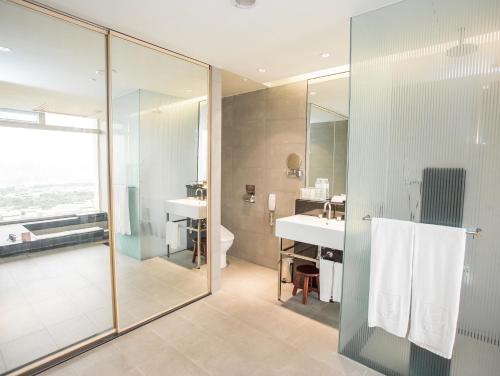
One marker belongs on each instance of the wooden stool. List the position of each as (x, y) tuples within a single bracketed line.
[(203, 250), (308, 273)]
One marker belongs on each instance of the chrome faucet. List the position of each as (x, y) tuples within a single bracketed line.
[(329, 215), (201, 193)]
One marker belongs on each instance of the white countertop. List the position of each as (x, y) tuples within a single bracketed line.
[(312, 230)]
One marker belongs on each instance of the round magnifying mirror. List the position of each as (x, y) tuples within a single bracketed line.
[(293, 161)]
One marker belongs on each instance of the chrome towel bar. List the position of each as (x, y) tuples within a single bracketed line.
[(470, 231)]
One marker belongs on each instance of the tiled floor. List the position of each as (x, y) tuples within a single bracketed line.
[(57, 298), (240, 330)]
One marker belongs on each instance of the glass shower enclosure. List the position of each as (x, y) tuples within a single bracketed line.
[(425, 94)]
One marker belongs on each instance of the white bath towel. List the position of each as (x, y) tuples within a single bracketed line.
[(121, 208), (325, 280), (172, 234), (337, 282), (390, 275), (438, 264)]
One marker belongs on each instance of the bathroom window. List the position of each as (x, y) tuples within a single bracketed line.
[(16, 115), (49, 173)]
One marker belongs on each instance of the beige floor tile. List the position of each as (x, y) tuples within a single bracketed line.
[(169, 359), (140, 344), (104, 360), (27, 348), (16, 323), (55, 310), (241, 330), (71, 331)]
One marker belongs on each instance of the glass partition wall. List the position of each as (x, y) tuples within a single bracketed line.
[(66, 278), (425, 94)]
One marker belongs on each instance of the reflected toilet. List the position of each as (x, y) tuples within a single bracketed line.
[(226, 241)]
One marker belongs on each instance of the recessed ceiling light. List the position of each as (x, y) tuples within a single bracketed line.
[(92, 79), (261, 70), (312, 93), (5, 49), (243, 4), (325, 54)]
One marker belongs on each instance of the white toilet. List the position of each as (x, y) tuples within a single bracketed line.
[(226, 241)]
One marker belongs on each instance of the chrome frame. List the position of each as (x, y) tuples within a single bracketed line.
[(64, 354)]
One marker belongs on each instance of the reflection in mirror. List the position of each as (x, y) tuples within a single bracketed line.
[(55, 281), (160, 156), (328, 102)]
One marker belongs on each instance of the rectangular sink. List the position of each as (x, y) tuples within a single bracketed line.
[(187, 207), (312, 230)]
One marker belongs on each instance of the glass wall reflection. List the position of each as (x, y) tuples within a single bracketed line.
[(55, 283), (159, 179)]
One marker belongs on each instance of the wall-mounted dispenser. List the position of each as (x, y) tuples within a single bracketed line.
[(271, 204), (250, 195), (293, 163)]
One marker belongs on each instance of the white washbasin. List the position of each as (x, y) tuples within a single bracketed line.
[(187, 207), (312, 230)]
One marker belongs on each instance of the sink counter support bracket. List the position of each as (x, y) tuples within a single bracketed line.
[(198, 238), (287, 253)]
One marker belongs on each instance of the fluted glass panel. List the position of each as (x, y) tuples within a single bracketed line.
[(424, 145)]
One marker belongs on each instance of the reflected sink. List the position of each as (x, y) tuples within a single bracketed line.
[(187, 207), (312, 230)]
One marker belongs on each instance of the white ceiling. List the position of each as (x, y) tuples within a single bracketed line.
[(56, 66), (286, 37)]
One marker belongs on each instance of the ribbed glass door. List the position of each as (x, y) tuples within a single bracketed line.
[(425, 97)]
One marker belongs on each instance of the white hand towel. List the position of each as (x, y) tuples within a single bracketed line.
[(172, 234), (438, 264), (337, 282), (325, 280), (390, 275)]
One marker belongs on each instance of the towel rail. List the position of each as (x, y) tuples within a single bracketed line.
[(470, 231)]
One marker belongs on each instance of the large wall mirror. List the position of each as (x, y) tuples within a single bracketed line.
[(57, 260), (328, 111), (55, 280), (160, 154)]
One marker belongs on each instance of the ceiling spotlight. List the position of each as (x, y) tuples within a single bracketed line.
[(325, 54), (5, 49), (92, 79), (261, 70), (243, 4)]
